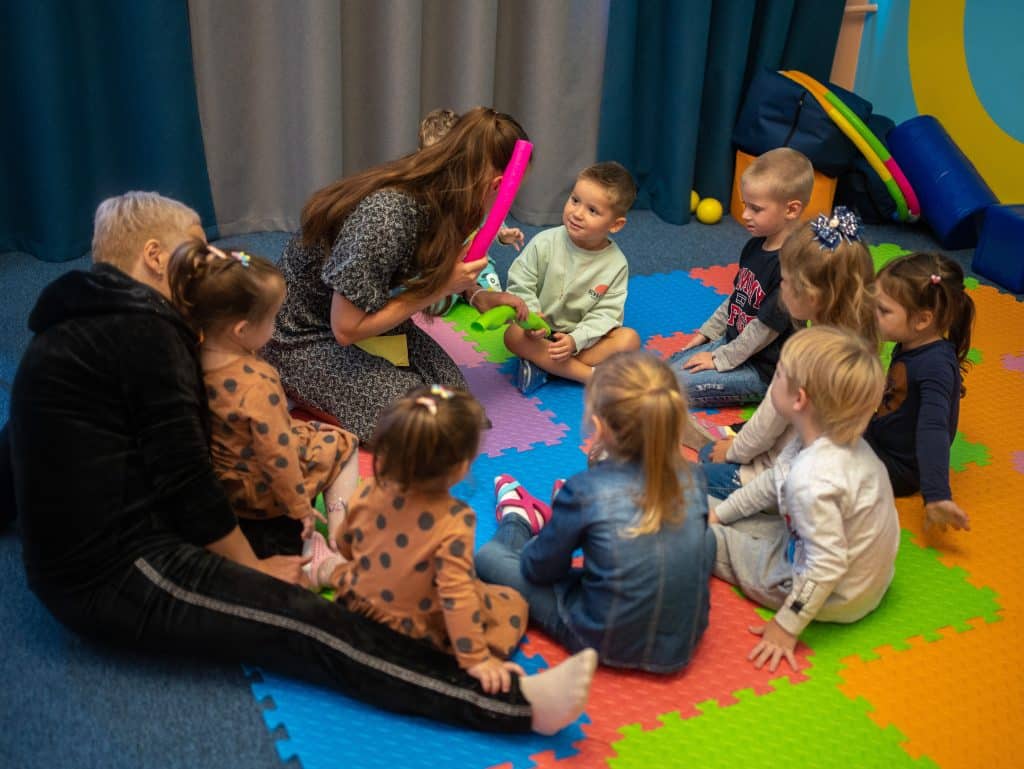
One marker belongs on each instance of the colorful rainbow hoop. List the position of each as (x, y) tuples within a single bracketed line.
[(907, 206)]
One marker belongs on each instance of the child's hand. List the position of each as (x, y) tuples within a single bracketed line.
[(700, 361), (713, 516), (309, 522), (511, 236), (945, 513), (720, 449), (697, 340), (775, 644), (563, 348), (495, 675)]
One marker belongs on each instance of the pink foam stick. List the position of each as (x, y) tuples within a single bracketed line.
[(503, 202)]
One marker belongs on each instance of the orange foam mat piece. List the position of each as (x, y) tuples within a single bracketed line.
[(959, 700)]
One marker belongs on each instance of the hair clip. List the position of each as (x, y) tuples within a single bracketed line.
[(441, 392), (241, 257), (935, 279), (428, 403), (830, 231)]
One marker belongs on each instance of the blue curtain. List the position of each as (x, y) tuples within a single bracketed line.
[(676, 72), (99, 98)]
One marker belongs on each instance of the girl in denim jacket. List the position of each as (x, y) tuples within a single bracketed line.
[(639, 514)]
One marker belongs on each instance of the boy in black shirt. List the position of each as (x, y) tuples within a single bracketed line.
[(732, 357)]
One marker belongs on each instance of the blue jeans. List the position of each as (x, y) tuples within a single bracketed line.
[(498, 562), (717, 388), (723, 477)]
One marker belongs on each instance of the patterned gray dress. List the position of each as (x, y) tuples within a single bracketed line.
[(372, 255)]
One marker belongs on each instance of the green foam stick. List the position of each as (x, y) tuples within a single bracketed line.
[(502, 315)]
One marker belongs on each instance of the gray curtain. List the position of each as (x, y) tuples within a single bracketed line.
[(296, 93)]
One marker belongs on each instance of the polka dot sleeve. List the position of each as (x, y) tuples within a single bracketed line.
[(276, 446), (459, 599)]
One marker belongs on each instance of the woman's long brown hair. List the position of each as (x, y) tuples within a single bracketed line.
[(449, 179)]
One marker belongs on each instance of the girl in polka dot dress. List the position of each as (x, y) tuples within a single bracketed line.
[(409, 543), (271, 466)]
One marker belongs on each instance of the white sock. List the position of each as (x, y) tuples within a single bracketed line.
[(559, 695)]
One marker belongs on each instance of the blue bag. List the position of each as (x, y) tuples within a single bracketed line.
[(779, 112)]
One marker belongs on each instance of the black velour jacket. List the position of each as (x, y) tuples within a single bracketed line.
[(108, 430)]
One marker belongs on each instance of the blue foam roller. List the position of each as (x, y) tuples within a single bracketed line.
[(998, 256), (951, 191)]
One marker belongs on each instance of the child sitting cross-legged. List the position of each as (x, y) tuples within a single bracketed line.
[(829, 551), (406, 556), (639, 515), (576, 277)]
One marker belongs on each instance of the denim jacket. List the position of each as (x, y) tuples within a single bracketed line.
[(641, 602)]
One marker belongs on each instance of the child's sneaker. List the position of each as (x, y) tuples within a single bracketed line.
[(530, 377)]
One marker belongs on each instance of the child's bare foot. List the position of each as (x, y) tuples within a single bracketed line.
[(559, 695)]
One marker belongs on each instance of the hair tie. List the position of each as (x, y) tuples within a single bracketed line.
[(441, 392), (935, 279), (830, 231), (428, 404)]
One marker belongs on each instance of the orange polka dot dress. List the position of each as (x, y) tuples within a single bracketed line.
[(269, 464), (410, 566)]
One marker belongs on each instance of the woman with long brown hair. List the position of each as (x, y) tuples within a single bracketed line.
[(373, 250)]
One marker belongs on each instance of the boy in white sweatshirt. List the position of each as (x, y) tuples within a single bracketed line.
[(575, 276), (829, 552)]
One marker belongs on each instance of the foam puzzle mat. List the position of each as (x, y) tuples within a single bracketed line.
[(933, 678)]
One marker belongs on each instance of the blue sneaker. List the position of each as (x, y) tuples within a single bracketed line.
[(530, 377)]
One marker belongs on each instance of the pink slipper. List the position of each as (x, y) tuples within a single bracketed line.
[(556, 487), (536, 511)]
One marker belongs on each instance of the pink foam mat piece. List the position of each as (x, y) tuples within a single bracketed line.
[(1013, 362), (461, 351), (1018, 461), (517, 422)]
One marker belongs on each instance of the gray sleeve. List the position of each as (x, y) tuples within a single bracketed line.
[(714, 327), (755, 497), (754, 337), (759, 435)]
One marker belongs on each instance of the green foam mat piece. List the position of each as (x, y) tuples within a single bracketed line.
[(974, 355), (809, 724), (963, 451), (924, 597), (971, 283), (490, 343), (883, 253)]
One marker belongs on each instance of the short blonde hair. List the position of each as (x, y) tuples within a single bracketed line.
[(783, 173), (841, 375), (435, 126), (124, 223)]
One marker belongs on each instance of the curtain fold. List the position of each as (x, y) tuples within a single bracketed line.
[(675, 76), (99, 99)]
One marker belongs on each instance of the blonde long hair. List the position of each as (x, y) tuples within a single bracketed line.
[(449, 179), (637, 398), (840, 281)]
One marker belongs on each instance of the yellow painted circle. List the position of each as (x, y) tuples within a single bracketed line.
[(942, 87)]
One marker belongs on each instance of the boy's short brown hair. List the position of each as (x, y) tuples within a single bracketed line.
[(436, 125), (783, 173), (841, 375), (616, 180)]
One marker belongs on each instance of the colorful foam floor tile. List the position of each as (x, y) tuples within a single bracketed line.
[(934, 677)]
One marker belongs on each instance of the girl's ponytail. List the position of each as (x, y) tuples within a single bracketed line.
[(637, 399)]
